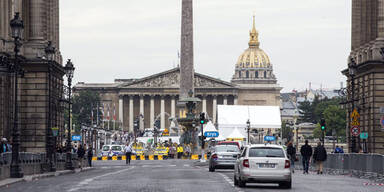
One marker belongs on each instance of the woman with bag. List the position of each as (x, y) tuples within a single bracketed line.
[(291, 151)]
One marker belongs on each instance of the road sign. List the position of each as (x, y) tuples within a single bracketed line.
[(55, 131), (355, 114), (269, 138), (211, 134), (355, 130), (76, 137), (364, 135)]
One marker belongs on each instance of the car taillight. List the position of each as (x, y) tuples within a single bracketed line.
[(246, 163), (214, 156), (287, 164)]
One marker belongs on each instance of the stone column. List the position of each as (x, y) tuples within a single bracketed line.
[(130, 113), (121, 115), (380, 18), (235, 99), (36, 20), (142, 112), (204, 109), (152, 112), (214, 108), (225, 101), (173, 106), (162, 113)]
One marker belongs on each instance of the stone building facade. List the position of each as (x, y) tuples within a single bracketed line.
[(156, 96), (367, 52), (41, 87)]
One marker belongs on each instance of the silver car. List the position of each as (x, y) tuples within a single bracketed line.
[(223, 156), (263, 164)]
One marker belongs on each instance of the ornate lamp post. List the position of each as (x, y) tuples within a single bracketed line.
[(50, 54), (17, 28), (69, 69), (248, 129)]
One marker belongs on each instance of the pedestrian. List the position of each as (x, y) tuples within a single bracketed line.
[(80, 155), (319, 156), (337, 149), (291, 151), (306, 153), (3, 146), (128, 153), (90, 155)]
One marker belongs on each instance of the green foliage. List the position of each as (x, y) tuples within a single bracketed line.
[(306, 111), (335, 119), (286, 131), (83, 104), (317, 132)]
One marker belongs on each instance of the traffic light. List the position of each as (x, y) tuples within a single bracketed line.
[(157, 124), (136, 125), (322, 124), (202, 118)]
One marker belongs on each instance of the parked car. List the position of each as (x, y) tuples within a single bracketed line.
[(229, 143), (263, 163), (112, 150), (223, 156)]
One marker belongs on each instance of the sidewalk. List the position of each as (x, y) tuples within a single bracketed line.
[(10, 181)]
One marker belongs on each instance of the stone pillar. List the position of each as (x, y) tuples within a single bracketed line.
[(36, 20), (152, 112), (380, 19), (121, 115), (173, 106), (186, 59), (225, 101), (214, 108), (142, 112), (130, 113), (162, 113), (235, 99), (204, 109)]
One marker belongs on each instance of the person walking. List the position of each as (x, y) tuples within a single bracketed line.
[(128, 153), (90, 155), (80, 155), (291, 151), (319, 156), (306, 153)]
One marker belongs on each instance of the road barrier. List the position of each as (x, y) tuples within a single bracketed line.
[(133, 157)]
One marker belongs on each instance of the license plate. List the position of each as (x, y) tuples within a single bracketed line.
[(266, 165)]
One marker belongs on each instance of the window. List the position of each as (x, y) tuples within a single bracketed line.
[(244, 152), (226, 148), (247, 74), (239, 74), (256, 74), (106, 148), (266, 152), (265, 74)]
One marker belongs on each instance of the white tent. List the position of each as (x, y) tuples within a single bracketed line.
[(209, 127), (236, 135), (230, 117)]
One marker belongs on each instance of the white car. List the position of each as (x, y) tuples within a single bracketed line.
[(263, 163)]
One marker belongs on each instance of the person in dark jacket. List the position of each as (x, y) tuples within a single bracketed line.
[(80, 155), (291, 151), (319, 156), (90, 155), (306, 153)]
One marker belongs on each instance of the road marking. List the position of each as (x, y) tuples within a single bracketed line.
[(186, 165), (87, 181)]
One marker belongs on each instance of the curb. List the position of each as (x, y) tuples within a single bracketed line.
[(27, 178)]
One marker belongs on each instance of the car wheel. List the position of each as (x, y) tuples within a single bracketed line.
[(286, 185), (241, 182), (235, 181), (211, 169)]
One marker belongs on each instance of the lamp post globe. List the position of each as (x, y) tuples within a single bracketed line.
[(17, 26), (248, 129), (69, 69)]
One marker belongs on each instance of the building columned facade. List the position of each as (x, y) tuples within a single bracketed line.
[(156, 96), (365, 94), (41, 87)]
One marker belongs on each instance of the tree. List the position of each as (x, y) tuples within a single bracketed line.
[(335, 119), (286, 131), (83, 104), (306, 111)]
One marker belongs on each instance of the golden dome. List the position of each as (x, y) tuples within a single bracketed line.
[(253, 57)]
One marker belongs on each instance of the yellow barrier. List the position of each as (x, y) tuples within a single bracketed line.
[(205, 156), (133, 157), (195, 157), (94, 158), (104, 158), (124, 157), (160, 157), (142, 157), (151, 157), (114, 157)]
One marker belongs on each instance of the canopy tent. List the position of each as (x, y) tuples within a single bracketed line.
[(230, 117), (209, 127), (236, 136)]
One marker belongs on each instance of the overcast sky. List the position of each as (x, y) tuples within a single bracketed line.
[(306, 40)]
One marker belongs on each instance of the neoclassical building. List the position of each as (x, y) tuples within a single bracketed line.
[(156, 96)]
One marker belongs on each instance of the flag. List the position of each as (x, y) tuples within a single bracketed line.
[(114, 112), (108, 112), (102, 112)]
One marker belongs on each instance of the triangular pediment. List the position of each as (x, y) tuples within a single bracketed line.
[(171, 79)]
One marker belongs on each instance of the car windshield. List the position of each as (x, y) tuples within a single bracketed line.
[(116, 148), (227, 148), (106, 148), (266, 152)]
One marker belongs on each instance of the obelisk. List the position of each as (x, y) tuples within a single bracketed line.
[(186, 58)]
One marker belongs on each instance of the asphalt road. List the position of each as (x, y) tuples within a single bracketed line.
[(176, 175)]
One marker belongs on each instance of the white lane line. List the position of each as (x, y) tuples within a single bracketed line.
[(186, 165), (229, 181), (87, 181)]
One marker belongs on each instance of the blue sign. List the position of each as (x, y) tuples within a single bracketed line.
[(211, 134), (269, 138), (76, 137)]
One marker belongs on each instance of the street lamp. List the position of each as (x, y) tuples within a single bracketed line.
[(50, 54), (17, 28), (248, 129), (352, 72), (69, 69)]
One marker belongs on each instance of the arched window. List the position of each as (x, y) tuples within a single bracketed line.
[(256, 74), (265, 74), (247, 74), (239, 74)]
